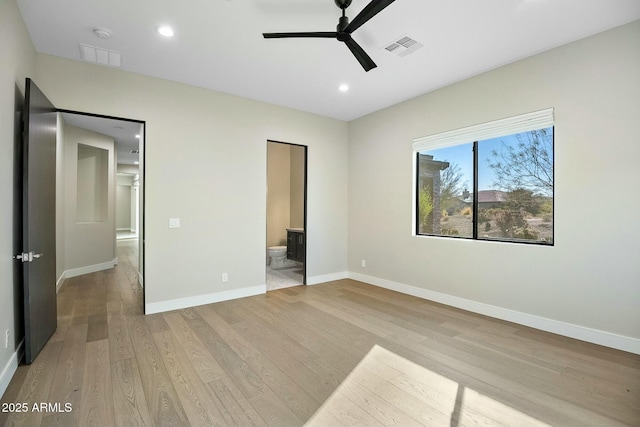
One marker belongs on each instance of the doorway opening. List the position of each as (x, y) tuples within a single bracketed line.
[(66, 163), (286, 252), (119, 233)]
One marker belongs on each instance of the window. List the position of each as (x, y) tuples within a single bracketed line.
[(492, 181)]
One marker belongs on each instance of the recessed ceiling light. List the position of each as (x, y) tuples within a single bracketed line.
[(165, 30), (136, 163), (138, 136), (343, 87)]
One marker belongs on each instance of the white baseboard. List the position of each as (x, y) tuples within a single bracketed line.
[(10, 368), (127, 242), (84, 270), (60, 280), (314, 280), (176, 304), (90, 269), (582, 333)]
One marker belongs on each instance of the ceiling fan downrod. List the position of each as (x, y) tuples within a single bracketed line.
[(343, 22)]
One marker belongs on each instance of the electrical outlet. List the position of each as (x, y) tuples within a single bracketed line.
[(363, 263), (225, 277), (6, 339)]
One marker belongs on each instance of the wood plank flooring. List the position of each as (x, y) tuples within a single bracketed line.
[(341, 353)]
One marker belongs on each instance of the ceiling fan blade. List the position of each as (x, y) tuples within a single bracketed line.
[(323, 35), (362, 57), (370, 10)]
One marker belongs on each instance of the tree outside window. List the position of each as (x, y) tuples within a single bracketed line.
[(512, 199)]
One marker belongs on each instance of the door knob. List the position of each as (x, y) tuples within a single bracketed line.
[(27, 256), (24, 257)]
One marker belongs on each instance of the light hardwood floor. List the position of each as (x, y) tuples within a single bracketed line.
[(341, 353)]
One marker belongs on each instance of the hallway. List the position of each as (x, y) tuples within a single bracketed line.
[(91, 331)]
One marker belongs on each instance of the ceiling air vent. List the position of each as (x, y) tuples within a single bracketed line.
[(403, 46), (100, 56)]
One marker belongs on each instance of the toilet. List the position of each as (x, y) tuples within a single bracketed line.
[(277, 256)]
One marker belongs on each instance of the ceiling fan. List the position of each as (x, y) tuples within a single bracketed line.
[(344, 29)]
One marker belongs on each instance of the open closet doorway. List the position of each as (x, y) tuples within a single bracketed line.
[(286, 251), (102, 203)]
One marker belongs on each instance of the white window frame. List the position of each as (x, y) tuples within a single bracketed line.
[(516, 124)]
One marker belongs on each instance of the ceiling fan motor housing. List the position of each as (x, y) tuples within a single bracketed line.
[(342, 25)]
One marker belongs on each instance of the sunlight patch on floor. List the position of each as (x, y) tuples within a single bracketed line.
[(385, 389)]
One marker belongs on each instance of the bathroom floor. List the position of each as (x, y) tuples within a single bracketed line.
[(284, 277)]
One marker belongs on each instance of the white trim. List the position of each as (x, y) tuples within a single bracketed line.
[(314, 280), (90, 269), (10, 368), (60, 281), (176, 304), (414, 193), (582, 333), (509, 126), (140, 280)]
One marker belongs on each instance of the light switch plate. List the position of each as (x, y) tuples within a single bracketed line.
[(174, 222)]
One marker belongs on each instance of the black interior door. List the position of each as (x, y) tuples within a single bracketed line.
[(39, 220)]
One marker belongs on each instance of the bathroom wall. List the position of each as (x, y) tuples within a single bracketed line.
[(296, 206), (278, 193), (285, 193)]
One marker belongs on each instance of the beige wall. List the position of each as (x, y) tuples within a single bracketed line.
[(125, 202), (88, 243), (17, 56), (123, 207), (278, 193), (214, 146), (285, 193), (591, 277), (297, 187)]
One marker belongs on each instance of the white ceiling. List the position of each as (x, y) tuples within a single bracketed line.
[(219, 44), (123, 132)]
